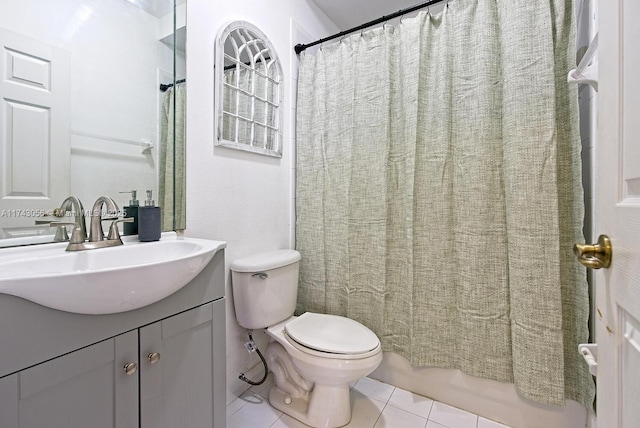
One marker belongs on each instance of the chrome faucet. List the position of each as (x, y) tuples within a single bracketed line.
[(78, 241), (96, 233), (74, 203)]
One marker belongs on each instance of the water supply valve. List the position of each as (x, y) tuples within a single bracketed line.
[(251, 346)]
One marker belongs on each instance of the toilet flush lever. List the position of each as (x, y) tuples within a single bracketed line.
[(261, 275)]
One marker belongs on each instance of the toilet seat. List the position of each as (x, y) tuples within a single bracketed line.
[(331, 336)]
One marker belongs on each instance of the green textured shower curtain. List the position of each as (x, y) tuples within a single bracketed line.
[(171, 192), (439, 192)]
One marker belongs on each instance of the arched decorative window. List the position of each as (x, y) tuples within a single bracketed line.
[(249, 97)]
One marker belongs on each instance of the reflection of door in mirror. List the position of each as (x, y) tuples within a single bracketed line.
[(81, 106), (34, 117)]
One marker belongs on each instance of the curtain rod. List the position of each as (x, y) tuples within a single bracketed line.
[(165, 87), (301, 47)]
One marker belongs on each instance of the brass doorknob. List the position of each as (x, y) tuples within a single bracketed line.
[(595, 256)]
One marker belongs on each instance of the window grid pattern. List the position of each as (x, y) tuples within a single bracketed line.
[(251, 92)]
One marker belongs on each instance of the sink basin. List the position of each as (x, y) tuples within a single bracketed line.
[(105, 280)]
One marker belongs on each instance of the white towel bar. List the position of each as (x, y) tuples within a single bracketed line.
[(144, 142)]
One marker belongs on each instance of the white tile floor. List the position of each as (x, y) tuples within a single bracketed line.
[(374, 405)]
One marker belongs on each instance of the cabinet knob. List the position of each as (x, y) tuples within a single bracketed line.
[(153, 357), (130, 368)]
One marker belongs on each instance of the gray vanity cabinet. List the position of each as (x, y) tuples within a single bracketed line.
[(174, 361), (65, 370), (85, 388)]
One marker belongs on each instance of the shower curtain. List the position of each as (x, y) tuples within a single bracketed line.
[(439, 192), (171, 191)]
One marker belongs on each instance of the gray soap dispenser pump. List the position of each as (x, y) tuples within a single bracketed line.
[(149, 220), (131, 210)]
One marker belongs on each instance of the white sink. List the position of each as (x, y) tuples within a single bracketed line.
[(105, 280)]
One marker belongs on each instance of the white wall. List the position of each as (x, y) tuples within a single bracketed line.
[(239, 197), (115, 55)]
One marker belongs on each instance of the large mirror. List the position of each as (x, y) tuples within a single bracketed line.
[(91, 103), (248, 80)]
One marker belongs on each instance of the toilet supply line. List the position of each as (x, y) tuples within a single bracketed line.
[(252, 347)]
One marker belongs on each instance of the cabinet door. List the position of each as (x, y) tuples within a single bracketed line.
[(182, 380), (85, 388)]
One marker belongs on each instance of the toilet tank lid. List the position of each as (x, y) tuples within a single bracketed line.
[(265, 261)]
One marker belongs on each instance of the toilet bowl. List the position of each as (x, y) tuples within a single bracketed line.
[(327, 402), (313, 357)]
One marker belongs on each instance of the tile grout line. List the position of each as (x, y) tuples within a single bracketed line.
[(380, 415), (386, 403), (276, 421), (238, 409), (414, 413)]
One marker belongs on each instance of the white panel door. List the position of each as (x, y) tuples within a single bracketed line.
[(618, 215), (34, 132)]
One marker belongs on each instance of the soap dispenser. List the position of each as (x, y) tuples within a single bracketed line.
[(149, 220), (131, 211)]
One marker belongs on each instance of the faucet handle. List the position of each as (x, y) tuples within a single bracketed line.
[(61, 233), (114, 233)]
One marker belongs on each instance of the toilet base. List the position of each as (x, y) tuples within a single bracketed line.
[(326, 406)]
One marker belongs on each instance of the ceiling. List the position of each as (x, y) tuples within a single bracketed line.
[(345, 14), (351, 13), (157, 8)]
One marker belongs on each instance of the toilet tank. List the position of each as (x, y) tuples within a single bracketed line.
[(265, 288)]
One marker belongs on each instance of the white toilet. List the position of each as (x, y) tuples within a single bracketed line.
[(313, 356)]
